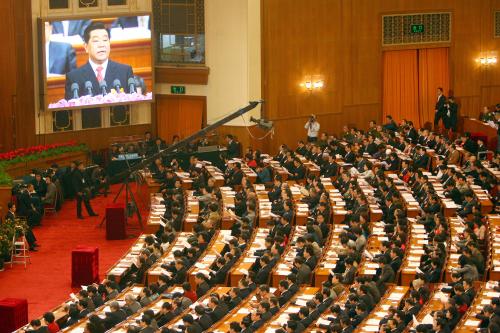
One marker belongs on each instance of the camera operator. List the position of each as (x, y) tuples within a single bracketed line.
[(100, 181), (312, 127), (82, 191)]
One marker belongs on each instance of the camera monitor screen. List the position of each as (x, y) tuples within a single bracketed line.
[(97, 61)]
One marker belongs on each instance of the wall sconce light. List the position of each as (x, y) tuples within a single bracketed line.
[(487, 60), (313, 85)]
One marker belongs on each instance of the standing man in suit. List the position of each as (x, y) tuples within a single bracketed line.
[(99, 68), (440, 109), (82, 192), (233, 148), (451, 115), (60, 57)]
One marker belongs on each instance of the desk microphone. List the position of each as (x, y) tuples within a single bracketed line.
[(75, 87), (131, 85), (117, 85), (88, 87), (104, 87)]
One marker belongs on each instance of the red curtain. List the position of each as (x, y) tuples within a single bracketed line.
[(433, 72), (400, 99), (410, 82)]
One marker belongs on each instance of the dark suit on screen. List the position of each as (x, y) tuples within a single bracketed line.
[(62, 58), (76, 27), (85, 73)]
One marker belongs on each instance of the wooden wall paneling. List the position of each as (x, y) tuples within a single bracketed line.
[(25, 87), (183, 75), (341, 39), (179, 115), (8, 76), (241, 133), (97, 138)]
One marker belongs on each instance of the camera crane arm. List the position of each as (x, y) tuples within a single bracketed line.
[(184, 142)]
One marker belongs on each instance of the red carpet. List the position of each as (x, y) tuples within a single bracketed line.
[(46, 282)]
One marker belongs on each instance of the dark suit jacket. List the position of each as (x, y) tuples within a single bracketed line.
[(180, 277), (262, 275), (113, 318), (202, 289), (440, 103), (10, 216), (24, 203), (78, 181), (42, 329), (62, 58), (163, 319), (126, 22), (454, 195), (76, 27), (219, 312), (219, 277), (233, 149), (285, 297), (205, 321), (304, 274), (387, 276), (85, 73), (348, 276)]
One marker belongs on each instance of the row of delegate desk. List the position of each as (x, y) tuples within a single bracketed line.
[(326, 263)]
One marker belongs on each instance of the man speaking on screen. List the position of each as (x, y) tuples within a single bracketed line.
[(100, 74)]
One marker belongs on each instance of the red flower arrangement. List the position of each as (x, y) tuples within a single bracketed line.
[(34, 150)]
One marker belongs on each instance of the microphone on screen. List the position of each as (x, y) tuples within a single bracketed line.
[(75, 88), (88, 87), (104, 87), (117, 85), (131, 85)]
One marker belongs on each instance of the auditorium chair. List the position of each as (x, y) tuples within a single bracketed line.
[(19, 250)]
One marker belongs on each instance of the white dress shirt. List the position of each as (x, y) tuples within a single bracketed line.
[(312, 129)]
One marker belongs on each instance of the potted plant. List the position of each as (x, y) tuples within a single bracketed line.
[(7, 230)]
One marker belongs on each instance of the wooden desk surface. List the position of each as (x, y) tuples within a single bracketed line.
[(472, 125), (393, 296), (176, 322), (179, 243), (284, 266), (101, 311), (469, 323), (314, 327), (155, 306), (122, 266), (337, 204), (236, 314), (293, 306), (456, 228), (436, 302), (208, 258), (248, 258), (330, 256), (494, 247), (417, 239)]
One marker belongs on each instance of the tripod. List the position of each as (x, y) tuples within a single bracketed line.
[(128, 194)]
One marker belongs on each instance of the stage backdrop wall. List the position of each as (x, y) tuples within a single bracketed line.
[(340, 42)]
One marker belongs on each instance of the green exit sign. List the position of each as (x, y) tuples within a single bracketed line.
[(178, 90), (417, 28)]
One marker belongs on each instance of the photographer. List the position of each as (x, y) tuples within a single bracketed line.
[(312, 127), (99, 181), (82, 191)]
